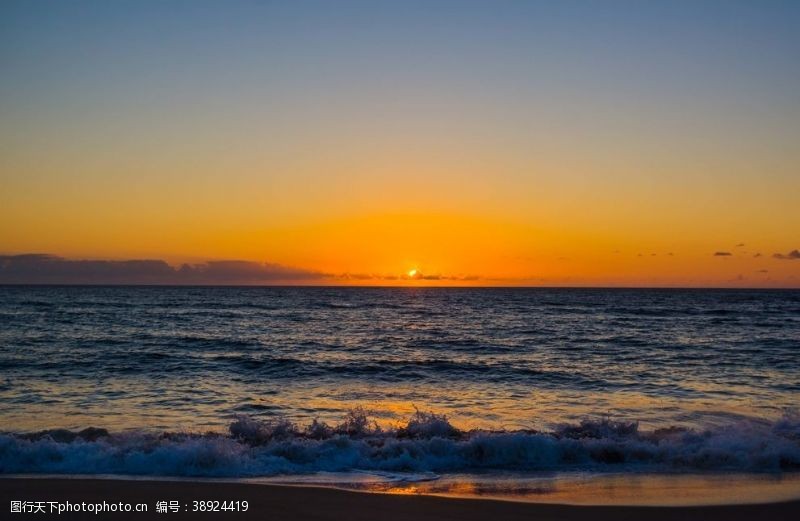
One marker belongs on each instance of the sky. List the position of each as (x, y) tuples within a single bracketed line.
[(577, 143)]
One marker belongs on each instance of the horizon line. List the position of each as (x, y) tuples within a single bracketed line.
[(396, 286)]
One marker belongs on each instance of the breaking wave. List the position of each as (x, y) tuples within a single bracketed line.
[(427, 443)]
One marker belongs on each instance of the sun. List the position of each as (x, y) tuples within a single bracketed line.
[(412, 273)]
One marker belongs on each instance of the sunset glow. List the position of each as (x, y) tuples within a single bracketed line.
[(524, 146)]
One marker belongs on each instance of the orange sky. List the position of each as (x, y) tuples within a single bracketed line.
[(479, 147)]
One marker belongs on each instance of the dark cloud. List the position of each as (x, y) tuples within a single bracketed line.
[(50, 269), (792, 255), (740, 245), (722, 254), (757, 255), (762, 271), (235, 272)]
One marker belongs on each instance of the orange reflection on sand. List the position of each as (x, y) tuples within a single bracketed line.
[(609, 489)]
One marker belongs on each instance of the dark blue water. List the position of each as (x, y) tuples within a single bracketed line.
[(156, 359)]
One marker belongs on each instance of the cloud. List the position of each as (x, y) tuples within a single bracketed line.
[(51, 269), (722, 254), (757, 255), (762, 271), (792, 255), (357, 276), (419, 275), (740, 245), (222, 272)]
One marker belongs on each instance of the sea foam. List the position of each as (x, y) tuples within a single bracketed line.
[(427, 443)]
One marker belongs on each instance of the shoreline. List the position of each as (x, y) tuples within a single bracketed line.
[(297, 502), (623, 489)]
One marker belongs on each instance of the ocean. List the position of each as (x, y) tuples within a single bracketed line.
[(420, 383)]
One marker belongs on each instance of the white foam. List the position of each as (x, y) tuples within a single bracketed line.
[(277, 448)]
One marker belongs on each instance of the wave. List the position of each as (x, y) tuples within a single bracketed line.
[(427, 443)]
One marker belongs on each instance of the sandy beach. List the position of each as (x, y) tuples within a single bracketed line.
[(280, 503)]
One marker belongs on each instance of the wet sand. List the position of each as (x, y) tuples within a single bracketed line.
[(278, 503)]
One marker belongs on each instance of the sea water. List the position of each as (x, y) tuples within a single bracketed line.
[(410, 384)]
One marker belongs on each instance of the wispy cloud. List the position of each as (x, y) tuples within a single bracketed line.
[(722, 254), (792, 255)]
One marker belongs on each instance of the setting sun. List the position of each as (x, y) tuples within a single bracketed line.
[(412, 273)]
